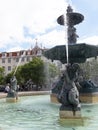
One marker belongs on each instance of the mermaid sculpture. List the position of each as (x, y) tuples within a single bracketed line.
[(69, 95), (13, 92)]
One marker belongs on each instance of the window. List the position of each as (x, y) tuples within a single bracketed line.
[(9, 60), (17, 59), (9, 68), (3, 54), (22, 59), (3, 60), (28, 58)]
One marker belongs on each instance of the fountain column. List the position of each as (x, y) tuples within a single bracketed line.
[(69, 95)]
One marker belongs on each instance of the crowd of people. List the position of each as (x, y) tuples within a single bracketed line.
[(28, 86)]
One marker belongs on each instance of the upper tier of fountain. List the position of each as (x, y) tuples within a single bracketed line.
[(73, 18), (76, 52)]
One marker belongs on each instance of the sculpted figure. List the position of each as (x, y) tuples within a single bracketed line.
[(69, 96), (71, 31), (72, 36), (13, 83), (13, 91)]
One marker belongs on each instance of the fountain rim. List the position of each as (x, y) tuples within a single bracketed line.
[(27, 93)]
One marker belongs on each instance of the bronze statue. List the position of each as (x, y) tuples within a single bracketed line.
[(13, 92), (69, 96), (71, 30), (13, 81)]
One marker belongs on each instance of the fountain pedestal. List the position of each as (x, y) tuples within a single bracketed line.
[(70, 111), (53, 98), (11, 100), (12, 96), (69, 114), (84, 97)]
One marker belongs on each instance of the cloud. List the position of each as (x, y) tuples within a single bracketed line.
[(53, 38), (37, 16), (22, 21), (92, 40)]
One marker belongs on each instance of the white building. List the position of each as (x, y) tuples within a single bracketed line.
[(10, 60)]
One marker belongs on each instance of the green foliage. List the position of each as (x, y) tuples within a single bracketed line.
[(90, 69), (35, 70), (8, 77), (86, 70), (53, 71), (2, 75)]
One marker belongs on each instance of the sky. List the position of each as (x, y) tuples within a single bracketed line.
[(24, 21)]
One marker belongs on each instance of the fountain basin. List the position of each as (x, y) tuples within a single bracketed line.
[(73, 19), (84, 97), (37, 112), (78, 53)]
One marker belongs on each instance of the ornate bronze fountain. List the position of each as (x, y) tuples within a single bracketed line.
[(66, 88)]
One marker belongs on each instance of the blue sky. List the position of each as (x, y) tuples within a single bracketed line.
[(23, 21), (90, 11)]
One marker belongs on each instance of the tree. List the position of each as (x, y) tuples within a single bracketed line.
[(53, 71), (34, 70), (8, 77), (36, 67), (90, 70), (2, 75)]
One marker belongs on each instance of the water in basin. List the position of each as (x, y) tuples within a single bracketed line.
[(38, 113)]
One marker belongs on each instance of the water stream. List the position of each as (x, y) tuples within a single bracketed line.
[(19, 62), (66, 36)]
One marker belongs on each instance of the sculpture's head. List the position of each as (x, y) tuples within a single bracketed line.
[(75, 67), (72, 70)]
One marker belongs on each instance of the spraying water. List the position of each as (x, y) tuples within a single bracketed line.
[(66, 30), (19, 62), (66, 35), (69, 1)]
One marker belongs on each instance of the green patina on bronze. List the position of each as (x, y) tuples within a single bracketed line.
[(77, 53)]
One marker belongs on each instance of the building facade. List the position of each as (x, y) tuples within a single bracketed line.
[(11, 60)]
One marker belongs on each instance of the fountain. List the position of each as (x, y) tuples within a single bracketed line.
[(12, 95), (76, 53), (37, 112)]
